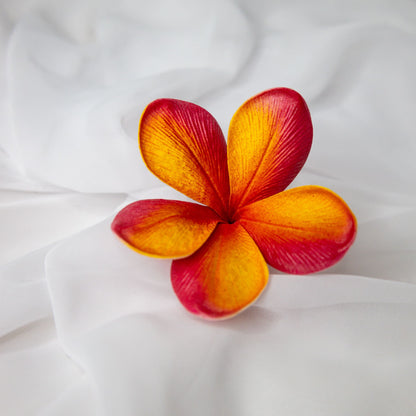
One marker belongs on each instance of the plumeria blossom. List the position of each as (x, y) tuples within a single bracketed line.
[(248, 219)]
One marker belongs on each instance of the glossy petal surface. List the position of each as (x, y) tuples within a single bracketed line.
[(223, 277), (164, 228), (301, 230), (269, 140), (183, 145)]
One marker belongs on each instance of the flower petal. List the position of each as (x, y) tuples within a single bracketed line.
[(269, 140), (301, 230), (163, 228), (183, 145), (223, 277)]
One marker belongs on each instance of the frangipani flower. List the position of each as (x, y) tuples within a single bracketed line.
[(220, 249)]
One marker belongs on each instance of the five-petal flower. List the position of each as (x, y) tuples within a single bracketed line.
[(221, 248)]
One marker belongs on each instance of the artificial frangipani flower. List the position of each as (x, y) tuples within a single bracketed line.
[(248, 219)]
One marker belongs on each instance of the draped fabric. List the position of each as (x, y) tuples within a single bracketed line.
[(89, 327)]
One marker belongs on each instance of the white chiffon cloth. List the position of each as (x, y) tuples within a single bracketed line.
[(89, 327)]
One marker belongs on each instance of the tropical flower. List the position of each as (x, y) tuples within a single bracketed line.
[(248, 219)]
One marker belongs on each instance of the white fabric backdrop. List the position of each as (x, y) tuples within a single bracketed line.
[(88, 327)]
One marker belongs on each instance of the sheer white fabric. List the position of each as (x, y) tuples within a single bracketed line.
[(88, 327)]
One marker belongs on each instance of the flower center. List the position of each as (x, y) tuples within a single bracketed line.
[(228, 216)]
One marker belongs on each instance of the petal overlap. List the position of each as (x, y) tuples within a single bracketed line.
[(165, 228), (224, 276), (183, 145), (269, 140), (301, 230)]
